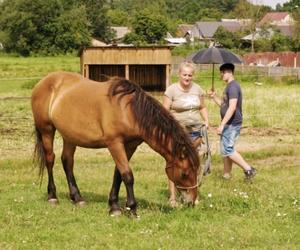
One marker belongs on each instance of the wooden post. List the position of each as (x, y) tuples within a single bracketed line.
[(168, 79), (127, 72), (86, 71)]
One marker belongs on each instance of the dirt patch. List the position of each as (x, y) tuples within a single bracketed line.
[(8, 130), (281, 161), (267, 131), (14, 98)]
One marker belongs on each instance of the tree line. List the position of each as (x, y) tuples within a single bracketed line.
[(60, 26)]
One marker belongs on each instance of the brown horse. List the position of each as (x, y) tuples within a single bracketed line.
[(117, 115)]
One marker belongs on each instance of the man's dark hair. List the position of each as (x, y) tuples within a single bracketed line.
[(227, 66)]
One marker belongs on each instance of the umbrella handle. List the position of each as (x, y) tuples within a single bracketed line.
[(213, 78)]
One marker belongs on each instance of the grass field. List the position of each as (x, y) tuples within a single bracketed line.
[(264, 214)]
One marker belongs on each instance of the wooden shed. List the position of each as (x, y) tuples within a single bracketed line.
[(149, 67)]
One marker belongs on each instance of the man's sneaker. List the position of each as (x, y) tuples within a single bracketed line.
[(249, 174)]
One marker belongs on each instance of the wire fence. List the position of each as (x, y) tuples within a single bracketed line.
[(20, 78), (245, 70)]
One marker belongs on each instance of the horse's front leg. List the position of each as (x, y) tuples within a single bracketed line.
[(67, 159), (120, 156)]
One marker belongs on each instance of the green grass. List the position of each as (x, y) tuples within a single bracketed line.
[(18, 74), (264, 214)]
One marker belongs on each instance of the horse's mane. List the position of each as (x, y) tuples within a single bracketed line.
[(154, 119)]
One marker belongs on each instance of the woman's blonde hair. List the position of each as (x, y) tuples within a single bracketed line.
[(187, 64)]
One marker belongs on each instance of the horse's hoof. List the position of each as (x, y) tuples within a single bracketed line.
[(81, 203), (135, 216), (196, 202), (132, 213), (173, 203), (53, 201), (115, 212)]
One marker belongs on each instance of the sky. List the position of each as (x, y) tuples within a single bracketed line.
[(271, 3)]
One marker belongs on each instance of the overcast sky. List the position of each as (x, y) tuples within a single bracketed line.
[(271, 3)]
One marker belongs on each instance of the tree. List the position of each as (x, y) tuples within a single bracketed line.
[(118, 17), (246, 10), (291, 5), (42, 27), (99, 22), (147, 28), (294, 6), (279, 42), (226, 38)]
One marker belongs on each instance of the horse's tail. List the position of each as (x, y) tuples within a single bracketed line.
[(39, 157)]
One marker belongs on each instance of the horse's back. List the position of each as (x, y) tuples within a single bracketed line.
[(45, 90), (81, 109), (53, 81)]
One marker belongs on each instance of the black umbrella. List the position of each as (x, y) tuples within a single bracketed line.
[(214, 55)]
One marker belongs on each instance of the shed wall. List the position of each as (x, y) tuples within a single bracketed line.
[(149, 67)]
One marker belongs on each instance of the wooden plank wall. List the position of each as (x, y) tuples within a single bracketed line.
[(149, 77), (149, 67), (126, 55)]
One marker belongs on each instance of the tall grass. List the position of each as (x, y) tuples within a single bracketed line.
[(19, 74), (272, 103)]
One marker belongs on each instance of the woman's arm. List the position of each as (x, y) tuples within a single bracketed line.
[(166, 102), (204, 112)]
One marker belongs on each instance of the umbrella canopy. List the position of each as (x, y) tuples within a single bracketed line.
[(214, 55)]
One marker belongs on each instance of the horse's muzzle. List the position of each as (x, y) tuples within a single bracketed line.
[(188, 197)]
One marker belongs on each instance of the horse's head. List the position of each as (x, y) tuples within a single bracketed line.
[(185, 177)]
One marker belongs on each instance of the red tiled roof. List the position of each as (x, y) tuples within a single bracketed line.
[(273, 16)]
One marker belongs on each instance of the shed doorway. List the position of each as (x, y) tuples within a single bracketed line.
[(101, 73), (149, 77)]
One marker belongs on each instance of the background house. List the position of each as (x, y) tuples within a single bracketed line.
[(281, 21), (205, 30), (120, 32), (276, 18)]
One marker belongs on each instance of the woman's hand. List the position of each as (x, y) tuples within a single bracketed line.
[(220, 129)]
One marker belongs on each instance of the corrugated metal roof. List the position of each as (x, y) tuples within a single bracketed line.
[(208, 29)]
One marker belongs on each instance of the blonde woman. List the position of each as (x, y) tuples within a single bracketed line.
[(185, 100)]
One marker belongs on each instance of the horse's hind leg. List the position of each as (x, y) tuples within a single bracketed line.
[(67, 159), (47, 137)]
